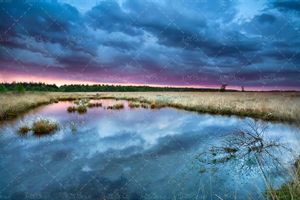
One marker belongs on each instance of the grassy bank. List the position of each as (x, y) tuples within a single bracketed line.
[(271, 106), (289, 190), (267, 105), (12, 104)]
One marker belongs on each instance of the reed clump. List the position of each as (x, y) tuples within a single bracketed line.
[(145, 105), (82, 102), (54, 100), (44, 127), (157, 105), (134, 105), (81, 109), (23, 130), (118, 106), (95, 105), (71, 109), (82, 105)]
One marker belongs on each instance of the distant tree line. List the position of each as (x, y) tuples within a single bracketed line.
[(22, 87)]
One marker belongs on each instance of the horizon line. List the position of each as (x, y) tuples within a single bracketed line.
[(212, 87)]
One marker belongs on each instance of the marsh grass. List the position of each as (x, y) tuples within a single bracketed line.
[(44, 127), (95, 105), (269, 106), (145, 105), (134, 105), (117, 106), (152, 106), (77, 102), (81, 109), (82, 102), (290, 190), (24, 129), (139, 104), (13, 104), (158, 105), (54, 100), (71, 109), (277, 106), (82, 105)]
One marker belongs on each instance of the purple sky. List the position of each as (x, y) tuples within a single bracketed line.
[(177, 43)]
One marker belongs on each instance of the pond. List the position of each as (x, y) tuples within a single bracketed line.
[(131, 154)]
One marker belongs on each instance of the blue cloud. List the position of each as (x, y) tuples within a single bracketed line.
[(171, 39)]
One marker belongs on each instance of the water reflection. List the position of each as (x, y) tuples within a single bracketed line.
[(249, 151), (127, 154)]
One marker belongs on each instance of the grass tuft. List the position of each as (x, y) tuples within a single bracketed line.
[(152, 106), (44, 127), (116, 106), (95, 105), (134, 105), (81, 109), (23, 130), (156, 105), (71, 109), (82, 101), (145, 105), (54, 101)]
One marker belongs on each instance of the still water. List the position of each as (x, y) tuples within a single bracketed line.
[(129, 154)]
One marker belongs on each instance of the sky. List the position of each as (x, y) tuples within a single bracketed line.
[(191, 43)]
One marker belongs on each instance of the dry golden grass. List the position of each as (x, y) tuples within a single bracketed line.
[(281, 106), (71, 109), (81, 109), (94, 105), (134, 105), (117, 106), (23, 130), (12, 104), (290, 190), (44, 127)]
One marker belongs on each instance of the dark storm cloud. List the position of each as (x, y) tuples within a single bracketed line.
[(48, 20), (74, 60), (288, 5), (266, 18), (45, 22), (110, 17), (169, 42), (175, 143), (168, 28)]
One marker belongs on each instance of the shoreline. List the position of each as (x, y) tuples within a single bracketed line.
[(216, 103), (213, 111), (237, 107), (13, 105)]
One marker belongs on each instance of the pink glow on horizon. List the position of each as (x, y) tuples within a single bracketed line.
[(9, 78), (36, 79)]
